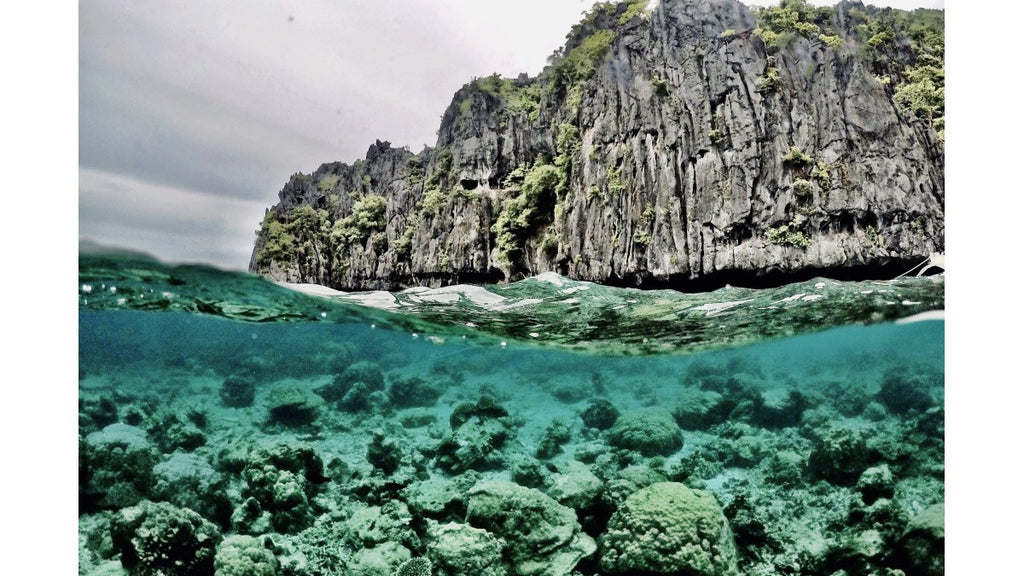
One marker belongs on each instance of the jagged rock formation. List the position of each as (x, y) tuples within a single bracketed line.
[(687, 143)]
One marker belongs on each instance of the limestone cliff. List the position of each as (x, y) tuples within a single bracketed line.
[(683, 143)]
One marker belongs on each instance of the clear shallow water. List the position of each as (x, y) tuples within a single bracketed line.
[(812, 443)]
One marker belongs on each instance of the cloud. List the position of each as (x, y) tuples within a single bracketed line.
[(174, 224)]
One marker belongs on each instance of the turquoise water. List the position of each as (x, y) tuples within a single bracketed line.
[(354, 433)]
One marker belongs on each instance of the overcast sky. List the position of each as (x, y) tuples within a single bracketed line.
[(194, 113)]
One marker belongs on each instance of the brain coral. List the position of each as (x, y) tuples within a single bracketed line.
[(668, 528), (650, 431)]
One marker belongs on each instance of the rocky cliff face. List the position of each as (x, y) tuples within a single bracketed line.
[(686, 142)]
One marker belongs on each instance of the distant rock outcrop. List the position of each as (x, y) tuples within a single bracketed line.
[(678, 143)]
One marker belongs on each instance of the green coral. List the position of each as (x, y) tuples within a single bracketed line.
[(668, 528)]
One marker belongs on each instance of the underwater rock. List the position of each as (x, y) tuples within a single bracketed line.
[(901, 393), (158, 538), (171, 433), (921, 548), (116, 466), (571, 393), (440, 496), (460, 549), (650, 431), (668, 528), (479, 432), (485, 408), (527, 471), (542, 537), (283, 479), (382, 560), (237, 392), (556, 434), (383, 452), (784, 468), (775, 408), (96, 412), (702, 409), (628, 481), (292, 404), (600, 414), (372, 526), (840, 455), (417, 418), (876, 482), (473, 446), (189, 480), (249, 517), (108, 568), (747, 527), (575, 486), (240, 555), (858, 553), (354, 389), (95, 550), (413, 391)]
